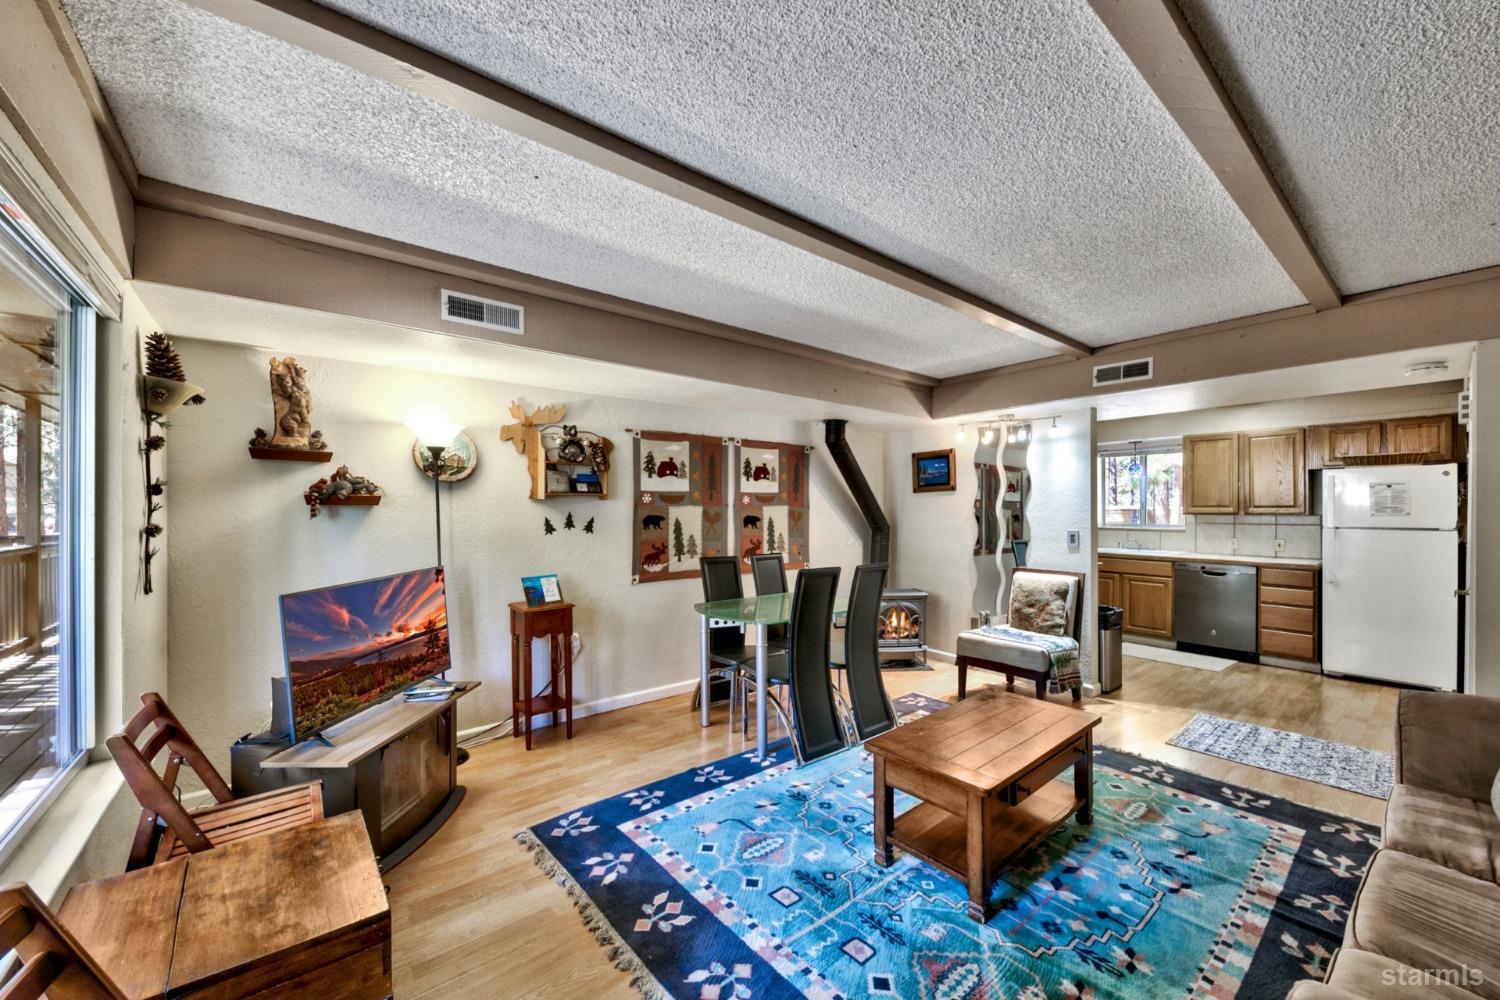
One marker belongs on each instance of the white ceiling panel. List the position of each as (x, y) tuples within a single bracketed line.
[(1009, 148), (209, 105), (1380, 120)]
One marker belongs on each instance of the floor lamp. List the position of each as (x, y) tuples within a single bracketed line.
[(435, 434)]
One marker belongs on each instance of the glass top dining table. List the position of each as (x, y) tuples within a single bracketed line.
[(760, 613)]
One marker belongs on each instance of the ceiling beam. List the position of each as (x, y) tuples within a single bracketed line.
[(1157, 39), (1426, 314), (174, 198), (375, 53)]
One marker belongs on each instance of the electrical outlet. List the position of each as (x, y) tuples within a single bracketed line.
[(1281, 545), (1234, 543)]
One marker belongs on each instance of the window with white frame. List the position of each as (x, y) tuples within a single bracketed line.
[(46, 456), (1140, 484)]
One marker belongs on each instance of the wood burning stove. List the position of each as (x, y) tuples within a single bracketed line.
[(903, 623)]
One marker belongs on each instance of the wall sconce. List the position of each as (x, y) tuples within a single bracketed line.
[(435, 433)]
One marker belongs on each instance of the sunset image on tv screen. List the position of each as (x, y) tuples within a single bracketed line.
[(351, 646)]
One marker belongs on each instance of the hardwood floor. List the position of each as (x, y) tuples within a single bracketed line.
[(475, 917)]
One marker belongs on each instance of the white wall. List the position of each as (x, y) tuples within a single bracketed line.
[(933, 534), (1374, 404), (240, 534), (1062, 467), (1484, 520)]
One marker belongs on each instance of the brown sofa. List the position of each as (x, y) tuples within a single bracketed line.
[(1426, 919)]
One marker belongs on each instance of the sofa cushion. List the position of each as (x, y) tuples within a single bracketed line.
[(1456, 833), (1041, 602), (1366, 974), (1429, 917)]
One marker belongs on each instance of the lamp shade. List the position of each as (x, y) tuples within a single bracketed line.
[(433, 428)]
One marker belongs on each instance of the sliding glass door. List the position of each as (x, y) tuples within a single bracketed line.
[(46, 350)]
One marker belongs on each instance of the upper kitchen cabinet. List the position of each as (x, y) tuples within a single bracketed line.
[(1274, 471), (1211, 474), (1429, 437), (1328, 446)]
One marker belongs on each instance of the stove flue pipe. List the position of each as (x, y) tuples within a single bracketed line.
[(878, 547)]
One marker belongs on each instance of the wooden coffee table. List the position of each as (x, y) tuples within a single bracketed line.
[(983, 769)]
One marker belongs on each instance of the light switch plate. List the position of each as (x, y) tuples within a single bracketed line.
[(1074, 539)]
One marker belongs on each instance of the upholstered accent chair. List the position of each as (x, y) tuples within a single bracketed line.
[(1043, 608)]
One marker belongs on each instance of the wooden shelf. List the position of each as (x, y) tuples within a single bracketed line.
[(354, 500), (290, 455), (538, 464), (941, 838)]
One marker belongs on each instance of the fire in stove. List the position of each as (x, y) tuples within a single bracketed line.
[(900, 624)]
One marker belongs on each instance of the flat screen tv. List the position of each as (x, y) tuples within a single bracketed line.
[(354, 645)]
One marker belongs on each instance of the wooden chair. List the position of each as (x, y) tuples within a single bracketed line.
[(52, 963), (986, 652), (167, 829)]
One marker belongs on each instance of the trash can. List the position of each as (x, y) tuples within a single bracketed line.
[(1111, 631)]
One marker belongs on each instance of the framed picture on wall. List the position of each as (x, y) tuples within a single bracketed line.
[(932, 471)]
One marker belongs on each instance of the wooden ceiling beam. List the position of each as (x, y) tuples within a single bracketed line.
[(1157, 39), (375, 53)]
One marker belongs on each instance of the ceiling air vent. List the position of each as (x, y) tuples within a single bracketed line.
[(1125, 371), (474, 311)]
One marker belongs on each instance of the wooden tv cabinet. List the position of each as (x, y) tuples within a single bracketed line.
[(397, 763)]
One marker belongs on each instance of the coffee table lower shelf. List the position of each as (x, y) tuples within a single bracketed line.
[(941, 839)]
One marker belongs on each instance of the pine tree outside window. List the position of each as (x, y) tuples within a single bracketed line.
[(1140, 484)]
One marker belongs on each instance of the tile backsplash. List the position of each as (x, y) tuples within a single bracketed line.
[(1210, 534)]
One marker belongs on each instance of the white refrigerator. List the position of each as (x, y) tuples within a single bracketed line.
[(1390, 574)]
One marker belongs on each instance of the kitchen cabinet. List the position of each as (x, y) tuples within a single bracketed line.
[(1289, 613), (1148, 605), (1109, 589), (1211, 474), (1274, 471), (1142, 588), (1430, 437), (1328, 446)]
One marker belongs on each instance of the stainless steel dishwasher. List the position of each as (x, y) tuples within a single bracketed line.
[(1214, 605)]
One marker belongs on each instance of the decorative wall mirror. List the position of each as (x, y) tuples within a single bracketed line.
[(1002, 532)]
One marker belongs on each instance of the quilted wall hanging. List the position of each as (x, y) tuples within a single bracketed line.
[(772, 503), (680, 508)]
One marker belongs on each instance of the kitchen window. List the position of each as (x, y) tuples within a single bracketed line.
[(46, 460), (1140, 484)]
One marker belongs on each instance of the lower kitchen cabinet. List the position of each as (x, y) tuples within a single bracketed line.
[(1148, 605), (1109, 589), (1289, 613)]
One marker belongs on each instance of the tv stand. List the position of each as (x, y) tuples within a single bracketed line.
[(396, 762)]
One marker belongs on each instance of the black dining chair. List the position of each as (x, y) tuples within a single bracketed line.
[(768, 573), (817, 729), (859, 656), (727, 650)]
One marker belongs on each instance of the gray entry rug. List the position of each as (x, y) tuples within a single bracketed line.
[(1368, 772)]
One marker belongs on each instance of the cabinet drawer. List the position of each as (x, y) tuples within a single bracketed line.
[(1136, 567), (1286, 595), (1284, 619), (1289, 644), (1274, 576), (1034, 779)]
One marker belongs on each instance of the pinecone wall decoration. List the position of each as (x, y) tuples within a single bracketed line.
[(162, 361)]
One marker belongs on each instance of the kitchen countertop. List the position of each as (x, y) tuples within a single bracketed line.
[(1207, 557)]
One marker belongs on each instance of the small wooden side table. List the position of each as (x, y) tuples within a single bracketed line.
[(553, 622)]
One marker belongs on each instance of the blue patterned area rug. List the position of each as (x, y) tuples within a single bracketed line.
[(1340, 765), (753, 878)]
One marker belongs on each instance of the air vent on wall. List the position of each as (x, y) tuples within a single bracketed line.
[(474, 311), (1125, 371)]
